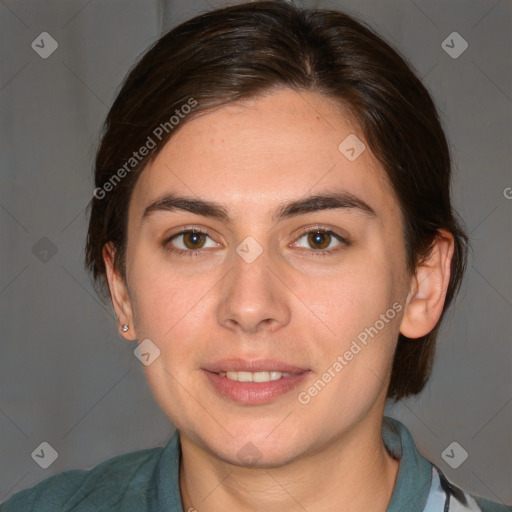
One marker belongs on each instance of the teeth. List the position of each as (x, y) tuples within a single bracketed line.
[(254, 376)]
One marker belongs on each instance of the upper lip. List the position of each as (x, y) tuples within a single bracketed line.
[(256, 365)]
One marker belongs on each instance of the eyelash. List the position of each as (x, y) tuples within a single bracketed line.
[(198, 252)]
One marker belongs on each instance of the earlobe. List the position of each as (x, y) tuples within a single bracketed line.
[(119, 294), (429, 285)]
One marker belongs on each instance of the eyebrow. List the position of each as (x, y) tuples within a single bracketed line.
[(332, 200)]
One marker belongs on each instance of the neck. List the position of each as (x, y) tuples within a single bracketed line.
[(354, 469)]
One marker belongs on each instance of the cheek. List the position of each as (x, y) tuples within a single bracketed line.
[(162, 308), (360, 291), (173, 308), (364, 326), (363, 319), (160, 296)]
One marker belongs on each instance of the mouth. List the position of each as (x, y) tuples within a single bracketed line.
[(254, 382), (242, 376)]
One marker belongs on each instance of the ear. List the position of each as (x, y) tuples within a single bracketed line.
[(119, 293), (429, 284)]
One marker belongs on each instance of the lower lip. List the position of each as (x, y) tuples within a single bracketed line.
[(254, 393)]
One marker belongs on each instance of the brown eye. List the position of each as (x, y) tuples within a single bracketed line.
[(189, 241), (319, 239), (193, 240)]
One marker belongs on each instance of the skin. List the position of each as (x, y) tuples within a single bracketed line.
[(288, 304)]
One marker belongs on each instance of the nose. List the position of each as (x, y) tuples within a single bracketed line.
[(253, 298)]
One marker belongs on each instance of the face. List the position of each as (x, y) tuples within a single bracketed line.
[(269, 280)]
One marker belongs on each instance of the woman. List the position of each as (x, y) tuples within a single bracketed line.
[(272, 218)]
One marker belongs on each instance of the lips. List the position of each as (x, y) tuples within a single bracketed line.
[(254, 382)]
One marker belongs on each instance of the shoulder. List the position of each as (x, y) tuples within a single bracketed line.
[(491, 506), (459, 500), (421, 482), (126, 478)]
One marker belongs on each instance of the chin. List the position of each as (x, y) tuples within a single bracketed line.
[(257, 455), (256, 445)]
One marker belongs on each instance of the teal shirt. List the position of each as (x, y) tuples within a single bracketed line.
[(148, 481)]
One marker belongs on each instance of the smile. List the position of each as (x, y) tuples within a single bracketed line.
[(243, 376)]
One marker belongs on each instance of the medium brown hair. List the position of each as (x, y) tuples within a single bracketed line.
[(246, 50)]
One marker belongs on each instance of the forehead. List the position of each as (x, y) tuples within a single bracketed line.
[(254, 153)]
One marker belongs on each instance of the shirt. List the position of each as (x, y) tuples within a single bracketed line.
[(148, 481)]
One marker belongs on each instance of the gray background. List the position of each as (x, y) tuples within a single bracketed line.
[(68, 378)]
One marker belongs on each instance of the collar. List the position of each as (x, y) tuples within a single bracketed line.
[(414, 477)]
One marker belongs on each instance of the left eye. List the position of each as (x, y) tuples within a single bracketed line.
[(320, 239)]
